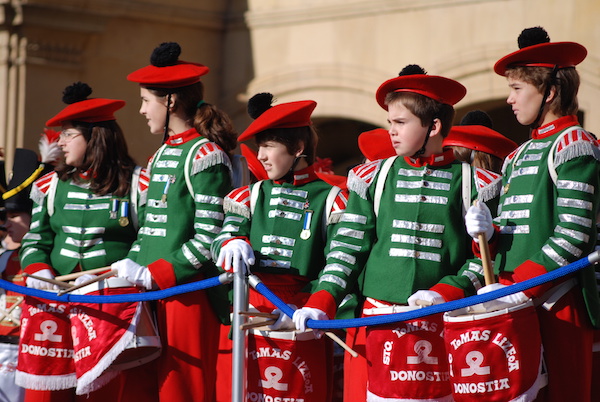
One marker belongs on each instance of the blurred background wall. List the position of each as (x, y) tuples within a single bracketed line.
[(336, 52)]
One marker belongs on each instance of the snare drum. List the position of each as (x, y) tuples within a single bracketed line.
[(406, 360), (494, 356), (292, 365), (110, 337)]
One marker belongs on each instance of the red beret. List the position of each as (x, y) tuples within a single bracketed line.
[(89, 111), (254, 165), (333, 179), (179, 75), (480, 138), (441, 89), (284, 115), (376, 144), (560, 54)]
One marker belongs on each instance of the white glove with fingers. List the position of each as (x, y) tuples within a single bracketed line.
[(428, 296), (284, 322), (301, 316), (478, 219), (135, 273), (84, 278), (39, 284), (510, 300), (236, 255)]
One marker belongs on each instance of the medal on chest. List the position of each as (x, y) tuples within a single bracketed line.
[(122, 208), (168, 182), (305, 233)]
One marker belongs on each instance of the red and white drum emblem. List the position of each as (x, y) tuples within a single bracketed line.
[(494, 356)]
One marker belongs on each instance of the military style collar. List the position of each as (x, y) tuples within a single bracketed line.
[(442, 159), (181, 138), (554, 127)]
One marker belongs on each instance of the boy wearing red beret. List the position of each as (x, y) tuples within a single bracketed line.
[(279, 228), (548, 207), (403, 231)]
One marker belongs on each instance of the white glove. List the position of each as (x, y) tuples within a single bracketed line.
[(39, 284), (478, 219), (236, 254), (84, 278), (135, 273), (428, 296), (308, 313), (284, 322), (511, 300)]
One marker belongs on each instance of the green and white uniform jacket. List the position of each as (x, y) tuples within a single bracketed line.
[(403, 230), (548, 206), (287, 224), (72, 227), (189, 176)]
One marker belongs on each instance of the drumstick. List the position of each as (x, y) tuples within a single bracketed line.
[(75, 275), (331, 335), (82, 284), (255, 324), (259, 314), (6, 313), (486, 259), (48, 280)]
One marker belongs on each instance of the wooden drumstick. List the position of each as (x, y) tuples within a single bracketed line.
[(271, 316), (82, 284), (54, 281), (254, 324), (6, 314), (486, 259), (75, 275)]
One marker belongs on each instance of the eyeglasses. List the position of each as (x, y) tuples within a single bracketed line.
[(67, 136)]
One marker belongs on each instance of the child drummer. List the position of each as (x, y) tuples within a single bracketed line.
[(403, 231), (277, 227), (548, 207)]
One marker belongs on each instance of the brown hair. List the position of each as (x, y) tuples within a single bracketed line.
[(477, 158), (292, 138), (566, 85), (207, 119), (425, 108), (106, 157)]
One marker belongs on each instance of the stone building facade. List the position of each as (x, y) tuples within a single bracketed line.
[(336, 52)]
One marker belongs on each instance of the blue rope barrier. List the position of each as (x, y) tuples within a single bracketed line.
[(124, 298), (435, 309)]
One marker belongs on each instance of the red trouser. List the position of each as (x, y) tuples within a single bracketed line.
[(189, 331), (355, 368), (567, 337)]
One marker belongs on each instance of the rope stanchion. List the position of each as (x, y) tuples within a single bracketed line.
[(124, 298), (434, 309)]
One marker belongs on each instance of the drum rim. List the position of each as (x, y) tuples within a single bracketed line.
[(462, 314)]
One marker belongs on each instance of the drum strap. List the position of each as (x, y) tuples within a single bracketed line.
[(549, 299)]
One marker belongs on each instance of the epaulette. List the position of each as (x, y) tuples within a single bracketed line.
[(508, 160), (41, 186), (207, 155), (487, 183), (238, 202), (362, 176), (575, 143), (338, 207)]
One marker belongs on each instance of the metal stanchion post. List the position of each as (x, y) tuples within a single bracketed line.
[(240, 303)]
